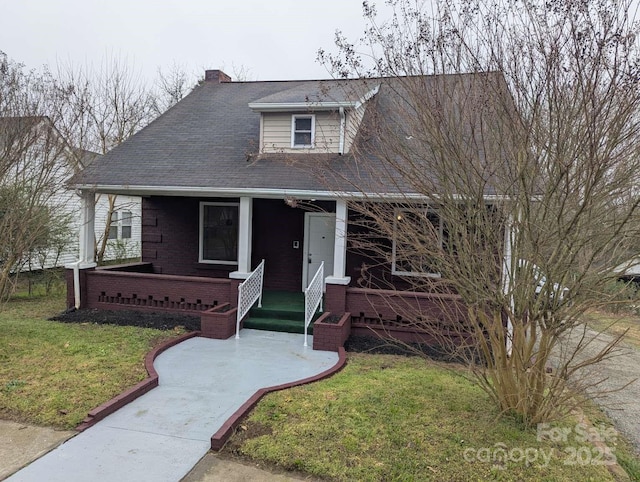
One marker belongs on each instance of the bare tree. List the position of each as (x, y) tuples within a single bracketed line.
[(34, 162), (100, 108), (505, 171), (171, 86)]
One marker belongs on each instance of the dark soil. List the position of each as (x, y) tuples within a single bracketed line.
[(372, 344), (160, 321), (332, 319)]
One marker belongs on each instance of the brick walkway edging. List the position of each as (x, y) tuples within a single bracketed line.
[(128, 396), (222, 435)]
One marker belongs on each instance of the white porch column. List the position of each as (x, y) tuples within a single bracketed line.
[(508, 275), (244, 239), (86, 251), (86, 257), (340, 246)]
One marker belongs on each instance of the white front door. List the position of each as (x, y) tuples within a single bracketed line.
[(319, 242)]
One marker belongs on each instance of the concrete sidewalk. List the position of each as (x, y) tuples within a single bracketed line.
[(162, 435)]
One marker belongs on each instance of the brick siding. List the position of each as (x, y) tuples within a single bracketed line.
[(112, 290)]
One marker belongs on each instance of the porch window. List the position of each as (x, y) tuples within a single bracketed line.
[(219, 233), (412, 229), (302, 131)]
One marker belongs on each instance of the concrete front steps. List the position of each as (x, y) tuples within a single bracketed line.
[(281, 311), (276, 320)]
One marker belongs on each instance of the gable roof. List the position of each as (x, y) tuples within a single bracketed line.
[(20, 134), (207, 144)]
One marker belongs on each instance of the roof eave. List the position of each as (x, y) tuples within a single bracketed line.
[(268, 193), (299, 106)]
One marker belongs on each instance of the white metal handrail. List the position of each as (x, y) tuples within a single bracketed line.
[(313, 298), (249, 291)]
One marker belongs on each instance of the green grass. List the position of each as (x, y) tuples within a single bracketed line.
[(400, 418), (54, 373), (615, 324)]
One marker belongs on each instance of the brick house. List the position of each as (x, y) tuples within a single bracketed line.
[(227, 177)]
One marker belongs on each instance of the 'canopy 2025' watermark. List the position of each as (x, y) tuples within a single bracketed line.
[(580, 445)]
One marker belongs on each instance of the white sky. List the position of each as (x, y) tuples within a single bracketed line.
[(273, 39)]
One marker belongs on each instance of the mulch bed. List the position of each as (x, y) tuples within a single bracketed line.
[(376, 345), (170, 321), (159, 321)]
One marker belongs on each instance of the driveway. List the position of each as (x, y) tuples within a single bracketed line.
[(163, 434), (622, 405)]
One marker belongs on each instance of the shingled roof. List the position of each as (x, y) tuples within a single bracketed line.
[(208, 143)]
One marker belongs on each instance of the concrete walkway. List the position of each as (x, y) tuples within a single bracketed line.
[(163, 434)]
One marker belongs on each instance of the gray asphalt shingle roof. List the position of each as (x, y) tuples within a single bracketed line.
[(203, 141), (210, 140)]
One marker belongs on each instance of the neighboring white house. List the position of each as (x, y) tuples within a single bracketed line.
[(123, 237), (37, 147)]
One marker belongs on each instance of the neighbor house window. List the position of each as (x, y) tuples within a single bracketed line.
[(219, 233), (416, 233), (120, 227), (302, 130)]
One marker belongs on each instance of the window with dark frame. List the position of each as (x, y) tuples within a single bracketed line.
[(412, 227), (219, 233)]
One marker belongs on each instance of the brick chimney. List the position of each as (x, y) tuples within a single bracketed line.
[(217, 76)]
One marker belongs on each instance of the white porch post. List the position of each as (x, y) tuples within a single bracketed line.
[(508, 269), (340, 246), (86, 251), (244, 239), (86, 256)]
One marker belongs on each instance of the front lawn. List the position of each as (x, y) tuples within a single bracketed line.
[(53, 373), (389, 417), (383, 417)]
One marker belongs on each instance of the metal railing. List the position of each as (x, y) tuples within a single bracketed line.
[(313, 298), (249, 291)]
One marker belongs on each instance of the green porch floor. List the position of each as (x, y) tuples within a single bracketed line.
[(281, 311)]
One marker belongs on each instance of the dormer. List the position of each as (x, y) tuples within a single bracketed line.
[(311, 117)]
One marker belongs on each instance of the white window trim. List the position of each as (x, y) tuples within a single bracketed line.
[(293, 131), (396, 213), (201, 234), (118, 225)]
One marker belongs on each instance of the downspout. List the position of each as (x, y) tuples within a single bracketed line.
[(343, 123)]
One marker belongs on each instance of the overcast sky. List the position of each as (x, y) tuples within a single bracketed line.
[(273, 39)]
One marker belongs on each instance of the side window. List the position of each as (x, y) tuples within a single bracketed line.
[(412, 228), (126, 225), (113, 228), (120, 227)]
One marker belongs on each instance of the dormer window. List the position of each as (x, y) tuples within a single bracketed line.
[(303, 131)]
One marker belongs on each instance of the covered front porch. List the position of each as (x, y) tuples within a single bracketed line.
[(198, 251)]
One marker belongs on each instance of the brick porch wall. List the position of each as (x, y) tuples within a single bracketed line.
[(112, 290), (403, 315)]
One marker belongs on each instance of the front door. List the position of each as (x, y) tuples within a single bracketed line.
[(319, 240)]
